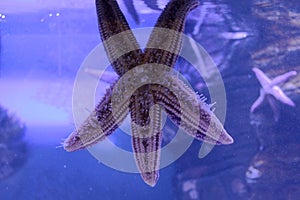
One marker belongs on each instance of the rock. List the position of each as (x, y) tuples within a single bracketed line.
[(13, 151), (203, 182), (263, 162), (221, 174), (274, 173)]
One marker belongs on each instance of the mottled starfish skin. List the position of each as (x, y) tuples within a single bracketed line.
[(146, 103), (112, 22), (143, 99), (172, 18)]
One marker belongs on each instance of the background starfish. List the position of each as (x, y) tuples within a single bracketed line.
[(271, 92), (146, 102)]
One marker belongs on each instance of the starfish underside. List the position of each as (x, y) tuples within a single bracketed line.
[(146, 102)]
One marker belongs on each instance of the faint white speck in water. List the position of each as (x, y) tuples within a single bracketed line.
[(42, 20), (261, 147), (90, 188), (57, 14), (65, 166), (50, 14), (0, 14)]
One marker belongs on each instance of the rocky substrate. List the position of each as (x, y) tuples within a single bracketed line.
[(13, 152)]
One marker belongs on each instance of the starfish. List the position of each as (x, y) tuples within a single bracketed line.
[(145, 102), (271, 91)]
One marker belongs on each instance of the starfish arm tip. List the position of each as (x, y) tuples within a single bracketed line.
[(253, 108), (229, 139), (72, 143), (254, 69), (294, 73), (150, 178), (258, 102), (291, 103), (225, 138)]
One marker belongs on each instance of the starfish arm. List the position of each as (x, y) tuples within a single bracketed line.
[(280, 96), (165, 40), (262, 78), (190, 113), (118, 39), (259, 101), (274, 106), (283, 78), (146, 136), (100, 123)]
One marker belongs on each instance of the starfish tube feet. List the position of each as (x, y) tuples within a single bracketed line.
[(146, 128), (101, 122), (189, 112)]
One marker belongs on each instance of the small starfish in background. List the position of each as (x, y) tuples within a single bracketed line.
[(271, 92)]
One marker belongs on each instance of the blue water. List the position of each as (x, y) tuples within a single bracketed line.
[(38, 48), (51, 173)]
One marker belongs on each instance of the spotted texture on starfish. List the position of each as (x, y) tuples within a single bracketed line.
[(159, 89)]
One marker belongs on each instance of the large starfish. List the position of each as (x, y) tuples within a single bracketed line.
[(146, 102), (271, 91)]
